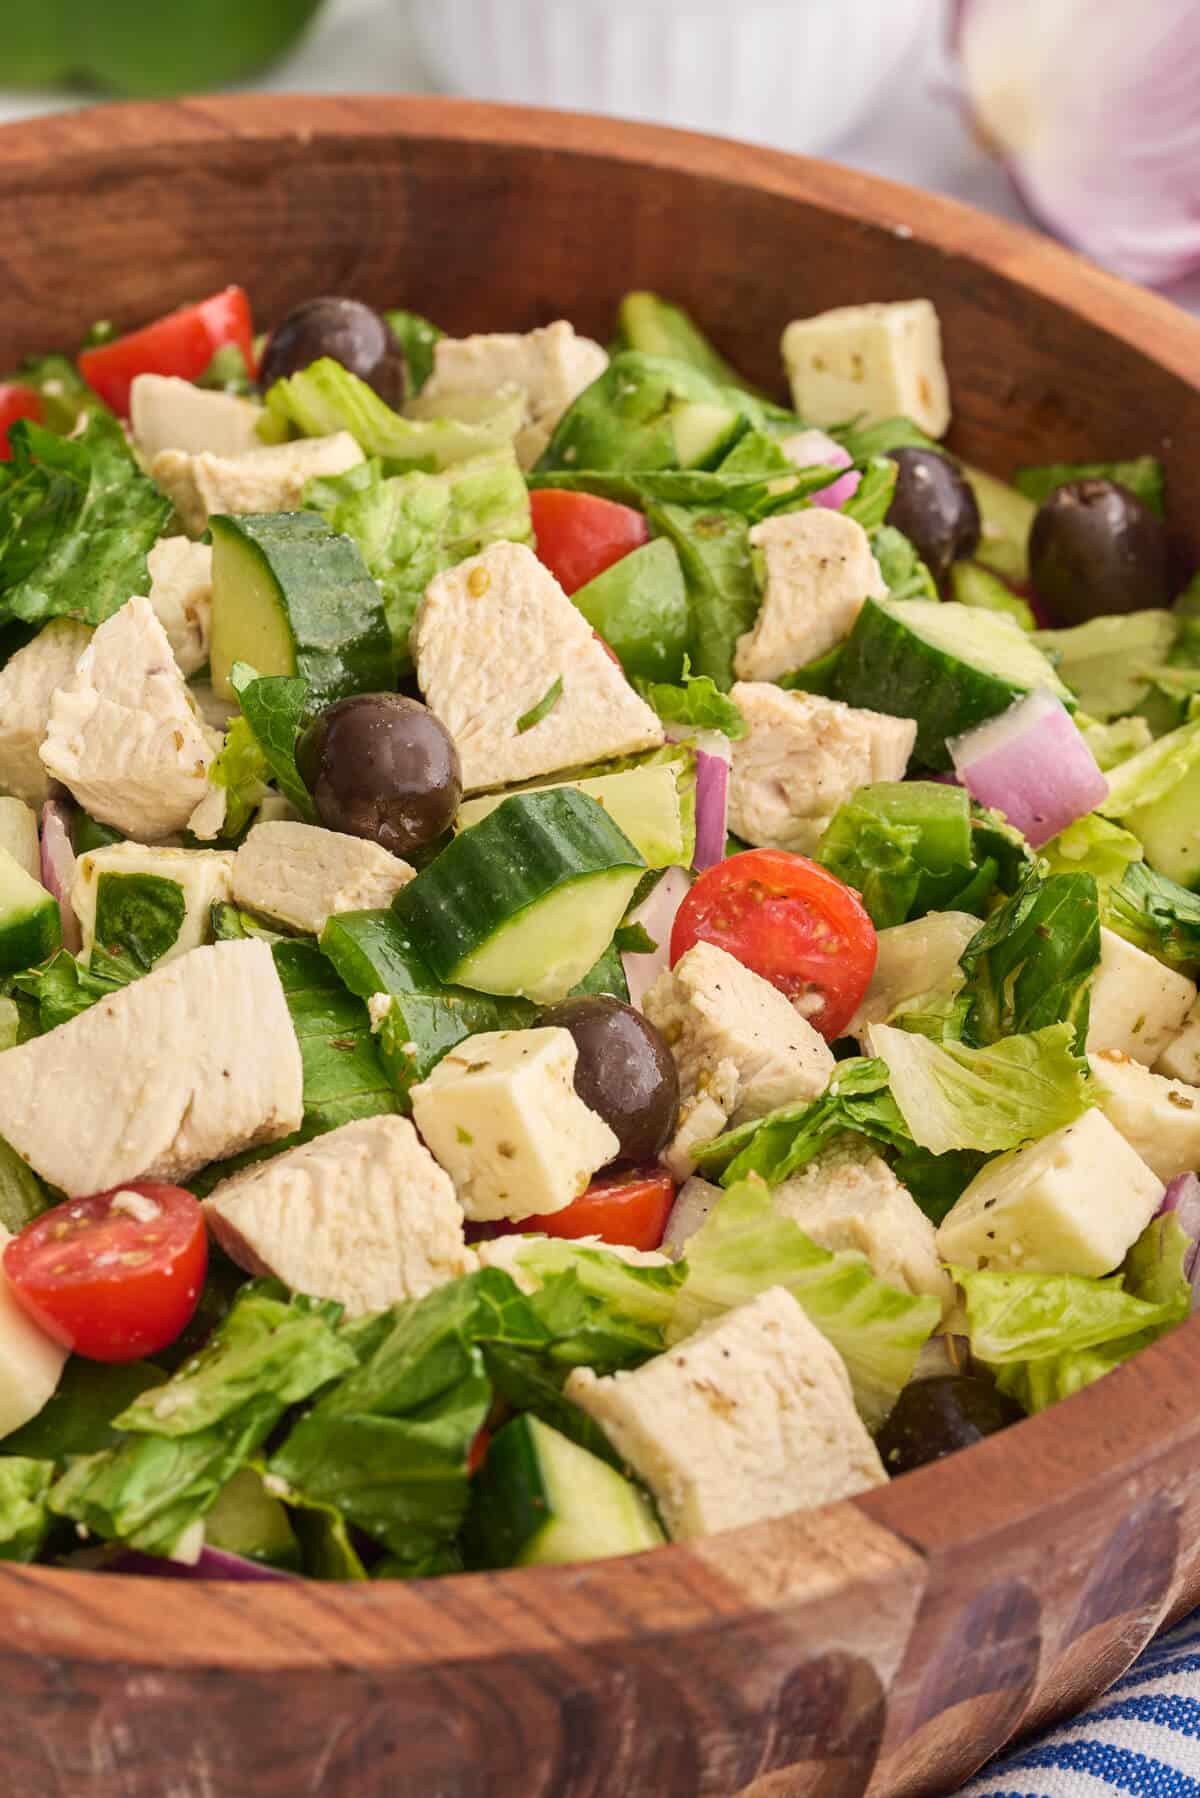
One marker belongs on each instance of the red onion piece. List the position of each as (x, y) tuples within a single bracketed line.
[(1183, 1198), (712, 809), (656, 915), (1033, 765), (816, 449), (214, 1563), (58, 868), (693, 1202)]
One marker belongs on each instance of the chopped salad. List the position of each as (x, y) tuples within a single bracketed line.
[(586, 957)]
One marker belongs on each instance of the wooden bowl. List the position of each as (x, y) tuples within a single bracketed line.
[(887, 1645)]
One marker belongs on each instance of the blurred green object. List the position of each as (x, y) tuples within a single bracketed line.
[(132, 47)]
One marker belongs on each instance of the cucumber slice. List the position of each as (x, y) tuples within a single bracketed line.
[(704, 432), (247, 1521), (527, 900), (950, 667), (643, 802), (30, 924), (1007, 519), (973, 585), (542, 1501), (291, 596), (639, 606)]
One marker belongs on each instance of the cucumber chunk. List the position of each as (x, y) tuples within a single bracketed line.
[(643, 802), (527, 900), (950, 667), (30, 924), (247, 1521), (542, 1501), (290, 596), (704, 432), (639, 606)]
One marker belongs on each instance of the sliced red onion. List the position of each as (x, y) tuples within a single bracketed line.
[(58, 868), (712, 809), (1183, 1198), (1031, 764), (816, 449), (656, 915), (213, 1563), (1091, 105), (693, 1202)]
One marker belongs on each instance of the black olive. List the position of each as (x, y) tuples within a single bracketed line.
[(935, 506), (353, 334), (381, 766), (624, 1071), (932, 1418), (1095, 548)]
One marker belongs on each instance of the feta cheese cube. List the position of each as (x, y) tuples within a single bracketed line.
[(1157, 1116), (502, 1116), (1180, 1060), (363, 1215), (749, 1418), (28, 682), (871, 361), (492, 638), (166, 413), (1138, 1005), (551, 366), (301, 874), (801, 758), (740, 1046), (819, 572), (1072, 1203), (204, 877), (271, 478)]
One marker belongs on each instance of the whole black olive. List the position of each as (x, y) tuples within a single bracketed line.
[(624, 1071), (381, 766), (353, 334), (1095, 548), (935, 506), (932, 1418)]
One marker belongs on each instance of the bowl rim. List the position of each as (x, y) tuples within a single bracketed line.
[(1118, 1427)]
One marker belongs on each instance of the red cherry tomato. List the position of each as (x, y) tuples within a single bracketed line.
[(579, 536), (16, 402), (183, 343), (107, 1276), (629, 1208), (790, 921)]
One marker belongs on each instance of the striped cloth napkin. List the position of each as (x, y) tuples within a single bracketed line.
[(1141, 1740)]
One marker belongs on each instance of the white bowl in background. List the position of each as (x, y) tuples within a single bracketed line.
[(793, 73)]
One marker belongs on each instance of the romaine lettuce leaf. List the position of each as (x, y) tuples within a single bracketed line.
[(697, 703), (1156, 914), (904, 846), (138, 919), (419, 340), (1109, 662), (783, 1142), (723, 597), (78, 1419), (901, 567), (274, 708), (870, 504), (241, 770), (1093, 845), (879, 439), (62, 987), (22, 1195), (1153, 772), (1142, 475), (1032, 963), (24, 1514)]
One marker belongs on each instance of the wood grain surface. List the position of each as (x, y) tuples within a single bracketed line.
[(885, 1646)]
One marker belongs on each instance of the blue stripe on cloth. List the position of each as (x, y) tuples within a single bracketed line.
[(1124, 1768), (1167, 1709), (1146, 1670)]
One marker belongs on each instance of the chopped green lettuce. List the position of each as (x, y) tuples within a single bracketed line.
[(419, 340), (879, 439), (696, 702), (629, 418), (1142, 475), (24, 1514), (783, 1142), (62, 987), (65, 394), (741, 484), (325, 398), (1093, 845), (904, 846), (78, 1418), (870, 504), (138, 920), (1032, 963), (241, 770), (1156, 914), (1108, 662), (638, 606), (723, 596), (901, 567), (274, 707), (1113, 743)]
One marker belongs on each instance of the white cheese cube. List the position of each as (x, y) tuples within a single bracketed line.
[(849, 1198), (363, 1215), (271, 478), (819, 572), (1157, 1116), (802, 757), (28, 682), (1180, 1060), (1137, 1004), (912, 959), (301, 874), (1072, 1203), (31, 1362), (204, 877), (502, 1116), (166, 413), (749, 1418), (871, 361)]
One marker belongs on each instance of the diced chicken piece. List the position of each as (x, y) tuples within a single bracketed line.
[(302, 875), (124, 733), (363, 1215), (801, 758), (869, 362), (1180, 1060), (749, 1418), (1157, 1116), (849, 1198), (204, 877), (492, 637), (502, 1116), (505, 1252), (181, 594), (552, 366), (269, 479), (28, 682), (1072, 1203), (819, 573), (741, 1047), (166, 413), (31, 1362), (196, 1061), (1138, 1005), (920, 957)]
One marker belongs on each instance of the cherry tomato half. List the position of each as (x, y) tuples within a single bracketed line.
[(579, 536), (629, 1208), (16, 402), (183, 343), (115, 1276), (790, 921)]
